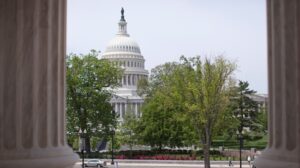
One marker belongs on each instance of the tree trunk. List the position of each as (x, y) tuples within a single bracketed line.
[(206, 155), (206, 148), (130, 153)]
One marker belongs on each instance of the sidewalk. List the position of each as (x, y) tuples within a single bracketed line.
[(168, 163)]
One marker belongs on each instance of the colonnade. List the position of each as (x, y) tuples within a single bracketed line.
[(32, 87), (131, 79), (121, 108)]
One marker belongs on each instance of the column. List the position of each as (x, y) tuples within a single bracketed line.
[(139, 109), (284, 85), (116, 108), (126, 104), (121, 112), (32, 84), (136, 109)]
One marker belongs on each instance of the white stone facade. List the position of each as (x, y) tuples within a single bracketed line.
[(123, 51)]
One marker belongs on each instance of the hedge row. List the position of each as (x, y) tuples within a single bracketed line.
[(152, 154)]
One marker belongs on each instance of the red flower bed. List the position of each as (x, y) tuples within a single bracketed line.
[(158, 157)]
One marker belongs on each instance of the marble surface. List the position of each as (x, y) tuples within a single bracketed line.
[(284, 86), (32, 87)]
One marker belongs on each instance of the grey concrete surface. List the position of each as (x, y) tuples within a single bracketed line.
[(168, 164)]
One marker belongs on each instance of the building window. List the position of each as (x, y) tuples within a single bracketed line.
[(118, 109), (133, 79), (124, 80), (129, 82), (123, 110)]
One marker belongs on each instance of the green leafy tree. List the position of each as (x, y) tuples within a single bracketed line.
[(128, 130), (202, 87), (89, 89), (191, 95), (262, 119), (162, 123), (94, 140)]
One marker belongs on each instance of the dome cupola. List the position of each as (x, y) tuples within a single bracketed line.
[(122, 42)]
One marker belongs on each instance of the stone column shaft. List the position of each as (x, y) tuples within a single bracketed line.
[(284, 85), (126, 106), (116, 107), (121, 111), (136, 109), (32, 87)]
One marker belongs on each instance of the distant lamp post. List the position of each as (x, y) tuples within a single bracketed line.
[(240, 137), (82, 135), (112, 130)]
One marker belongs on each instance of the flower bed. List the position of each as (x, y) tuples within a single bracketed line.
[(158, 157)]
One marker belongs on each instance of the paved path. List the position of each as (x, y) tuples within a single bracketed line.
[(165, 165)]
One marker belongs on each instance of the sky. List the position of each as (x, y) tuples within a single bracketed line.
[(167, 29)]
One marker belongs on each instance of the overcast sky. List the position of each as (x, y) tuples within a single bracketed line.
[(167, 29)]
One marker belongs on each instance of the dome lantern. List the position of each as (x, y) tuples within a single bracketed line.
[(122, 25), (122, 42)]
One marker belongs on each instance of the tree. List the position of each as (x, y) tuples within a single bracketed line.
[(245, 109), (89, 88), (262, 119), (162, 123), (128, 130), (202, 87)]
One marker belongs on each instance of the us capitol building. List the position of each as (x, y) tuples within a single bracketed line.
[(123, 51)]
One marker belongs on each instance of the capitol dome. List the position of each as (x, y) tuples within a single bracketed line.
[(123, 51), (123, 43)]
